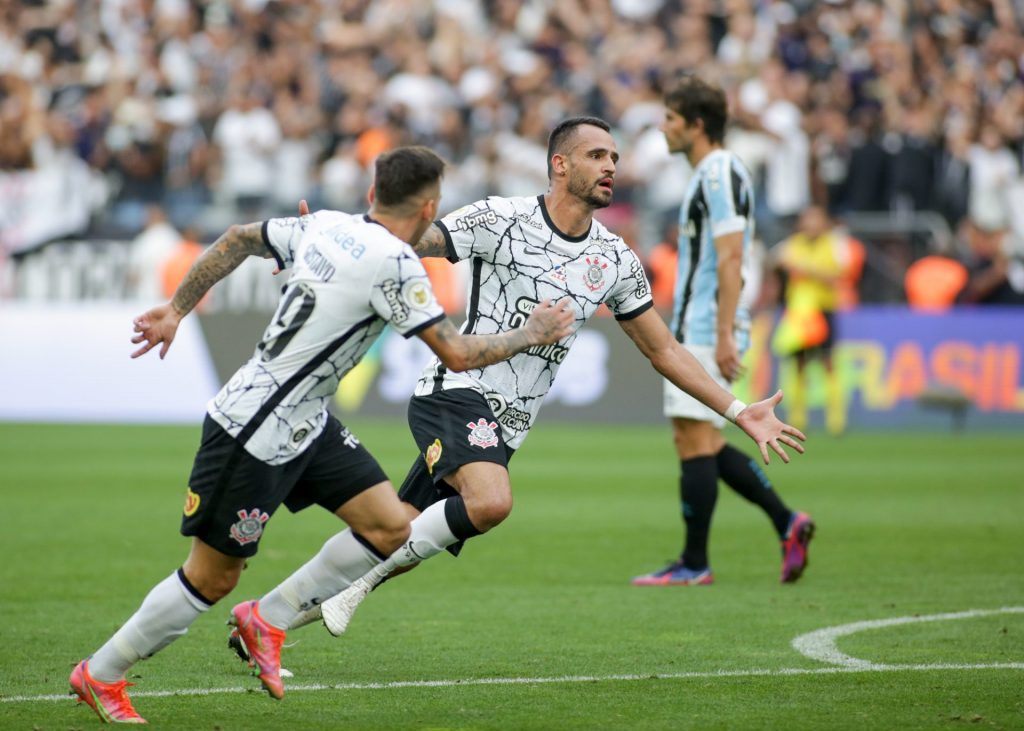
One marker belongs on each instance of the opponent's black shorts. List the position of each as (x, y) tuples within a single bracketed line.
[(231, 494), (451, 428), (824, 348)]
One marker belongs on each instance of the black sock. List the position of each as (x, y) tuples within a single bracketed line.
[(745, 476), (458, 518), (698, 490)]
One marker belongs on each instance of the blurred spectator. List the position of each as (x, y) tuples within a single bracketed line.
[(150, 251), (994, 277), (815, 260), (209, 106)]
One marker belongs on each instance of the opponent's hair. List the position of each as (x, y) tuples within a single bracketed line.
[(561, 135), (693, 98), (404, 172)]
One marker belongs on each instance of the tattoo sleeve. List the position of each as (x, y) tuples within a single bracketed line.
[(477, 351), (223, 256), (431, 243)]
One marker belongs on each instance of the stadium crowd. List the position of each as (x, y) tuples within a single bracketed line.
[(220, 111)]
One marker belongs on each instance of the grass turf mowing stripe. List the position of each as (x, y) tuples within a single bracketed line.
[(542, 681)]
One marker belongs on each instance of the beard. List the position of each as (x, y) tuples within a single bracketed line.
[(588, 192)]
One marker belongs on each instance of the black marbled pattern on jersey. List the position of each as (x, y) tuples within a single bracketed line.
[(519, 259)]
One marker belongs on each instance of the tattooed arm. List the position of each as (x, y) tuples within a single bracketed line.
[(548, 323), (160, 324), (431, 243)]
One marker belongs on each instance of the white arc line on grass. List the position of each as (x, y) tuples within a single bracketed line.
[(539, 681), (821, 644)]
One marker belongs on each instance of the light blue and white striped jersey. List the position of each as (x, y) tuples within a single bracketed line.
[(719, 200)]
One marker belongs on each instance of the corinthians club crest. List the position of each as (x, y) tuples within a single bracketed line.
[(481, 433), (250, 526), (594, 276)]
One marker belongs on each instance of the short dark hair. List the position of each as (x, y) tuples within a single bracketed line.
[(558, 140), (405, 171), (693, 98)]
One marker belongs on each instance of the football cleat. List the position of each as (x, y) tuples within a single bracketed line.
[(675, 574), (339, 609), (794, 547), (262, 643), (236, 645), (109, 700)]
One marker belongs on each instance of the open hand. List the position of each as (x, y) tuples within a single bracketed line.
[(550, 322), (760, 423), (157, 326)]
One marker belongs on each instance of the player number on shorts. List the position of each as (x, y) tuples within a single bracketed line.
[(291, 315)]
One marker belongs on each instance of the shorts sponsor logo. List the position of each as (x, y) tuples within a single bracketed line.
[(432, 455), (249, 528), (349, 439), (416, 294), (393, 295), (482, 434), (191, 503), (594, 276), (485, 216)]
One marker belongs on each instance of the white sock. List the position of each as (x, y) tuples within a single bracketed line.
[(430, 535), (164, 616), (342, 560)]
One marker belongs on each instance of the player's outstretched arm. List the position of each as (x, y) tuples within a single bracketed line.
[(159, 325), (676, 364), (548, 323)]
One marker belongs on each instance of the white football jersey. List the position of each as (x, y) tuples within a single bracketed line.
[(520, 258), (349, 277)]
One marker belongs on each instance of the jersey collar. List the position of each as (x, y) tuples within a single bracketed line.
[(551, 224)]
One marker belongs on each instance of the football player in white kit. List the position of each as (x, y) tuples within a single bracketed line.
[(524, 251), (268, 438)]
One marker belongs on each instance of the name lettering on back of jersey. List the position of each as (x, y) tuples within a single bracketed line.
[(393, 295), (476, 218), (594, 276), (319, 264)]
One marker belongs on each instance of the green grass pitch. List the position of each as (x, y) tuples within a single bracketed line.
[(908, 525)]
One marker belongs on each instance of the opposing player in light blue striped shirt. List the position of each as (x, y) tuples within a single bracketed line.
[(716, 231)]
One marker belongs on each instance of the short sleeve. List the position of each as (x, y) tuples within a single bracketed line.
[(631, 295), (721, 197), (282, 237), (402, 294), (475, 230)]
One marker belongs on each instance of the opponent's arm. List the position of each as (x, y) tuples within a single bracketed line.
[(677, 364), (730, 283), (431, 243), (548, 323), (160, 324)]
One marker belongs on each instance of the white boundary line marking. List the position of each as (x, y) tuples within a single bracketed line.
[(818, 645), (541, 681), (821, 644)]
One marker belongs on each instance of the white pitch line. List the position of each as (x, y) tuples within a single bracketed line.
[(821, 644), (541, 681)]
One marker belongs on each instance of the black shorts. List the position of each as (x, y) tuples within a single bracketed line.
[(451, 428), (231, 494)]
